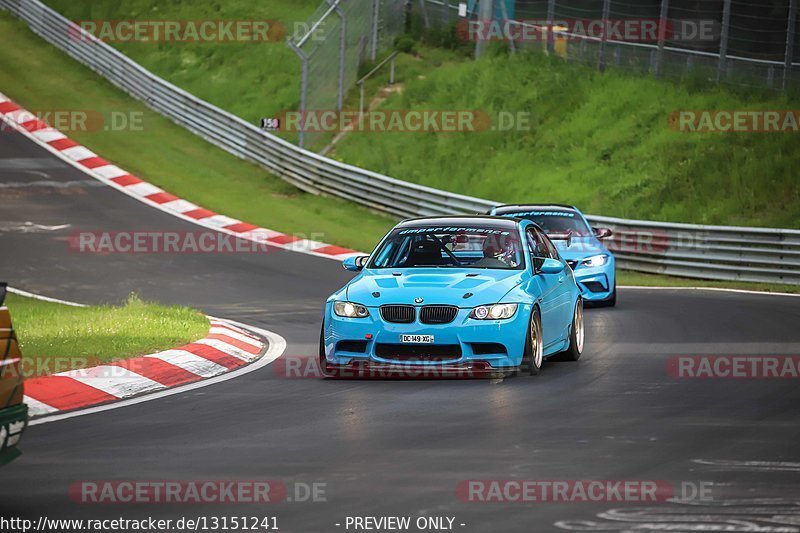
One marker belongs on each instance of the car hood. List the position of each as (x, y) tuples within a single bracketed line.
[(580, 248), (433, 285)]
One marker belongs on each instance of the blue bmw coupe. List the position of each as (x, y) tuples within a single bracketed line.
[(454, 295), (592, 262)]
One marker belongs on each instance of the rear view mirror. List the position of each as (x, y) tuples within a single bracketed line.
[(355, 263), (567, 237), (602, 233)]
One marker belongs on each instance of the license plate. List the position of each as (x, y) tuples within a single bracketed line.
[(416, 339)]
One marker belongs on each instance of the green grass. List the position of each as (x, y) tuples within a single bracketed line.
[(40, 77), (600, 141), (78, 336), (250, 79), (626, 277)]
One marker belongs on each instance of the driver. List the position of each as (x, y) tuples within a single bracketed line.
[(496, 254)]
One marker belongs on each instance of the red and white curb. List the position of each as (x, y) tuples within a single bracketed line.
[(95, 166), (225, 348)]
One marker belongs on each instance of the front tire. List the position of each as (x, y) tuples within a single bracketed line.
[(576, 335), (611, 301), (532, 359), (323, 366)]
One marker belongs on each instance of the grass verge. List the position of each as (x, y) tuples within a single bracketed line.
[(249, 79), (601, 141), (76, 337)]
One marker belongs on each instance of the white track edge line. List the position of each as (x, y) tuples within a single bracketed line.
[(27, 294), (716, 289)]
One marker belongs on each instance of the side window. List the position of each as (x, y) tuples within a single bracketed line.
[(392, 253), (551, 250), (536, 248), (383, 259)]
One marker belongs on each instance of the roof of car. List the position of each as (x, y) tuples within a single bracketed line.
[(463, 220)]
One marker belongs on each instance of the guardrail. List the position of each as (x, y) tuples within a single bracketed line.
[(710, 252)]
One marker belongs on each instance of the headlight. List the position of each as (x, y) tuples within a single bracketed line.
[(493, 312), (595, 261), (350, 310)]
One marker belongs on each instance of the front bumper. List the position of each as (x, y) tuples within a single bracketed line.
[(13, 421), (463, 346), (596, 284)]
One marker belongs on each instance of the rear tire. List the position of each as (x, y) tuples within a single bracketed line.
[(532, 358), (576, 335)]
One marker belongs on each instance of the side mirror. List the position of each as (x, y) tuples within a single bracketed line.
[(551, 266), (602, 233), (355, 263)]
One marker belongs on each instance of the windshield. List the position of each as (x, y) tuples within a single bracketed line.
[(555, 221), (458, 247)]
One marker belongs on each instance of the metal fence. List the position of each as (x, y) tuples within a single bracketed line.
[(341, 36), (747, 43), (711, 252)]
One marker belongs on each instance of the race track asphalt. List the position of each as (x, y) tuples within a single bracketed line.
[(397, 447)]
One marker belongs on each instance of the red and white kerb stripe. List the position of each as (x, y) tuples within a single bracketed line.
[(225, 348), (97, 167)]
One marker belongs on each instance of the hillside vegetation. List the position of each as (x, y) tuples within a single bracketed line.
[(601, 141)]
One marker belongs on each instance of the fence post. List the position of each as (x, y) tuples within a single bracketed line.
[(662, 36), (342, 49), (446, 13), (723, 42), (424, 14), (376, 7), (485, 16), (601, 55), (787, 65), (551, 15), (507, 24), (303, 89)]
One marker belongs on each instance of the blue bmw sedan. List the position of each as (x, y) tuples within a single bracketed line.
[(454, 295)]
